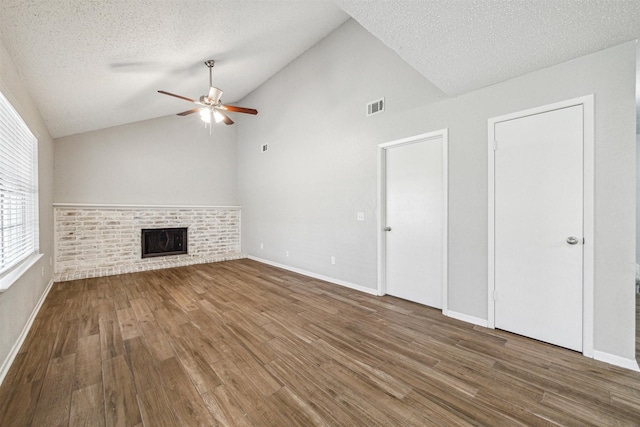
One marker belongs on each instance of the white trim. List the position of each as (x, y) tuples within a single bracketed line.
[(466, 318), (445, 221), (587, 103), (589, 191), (612, 359), (382, 219), (4, 369), (353, 286), (125, 206), (14, 275), (491, 232), (382, 196)]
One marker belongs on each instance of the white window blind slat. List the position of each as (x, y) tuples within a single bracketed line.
[(14, 135), (18, 188), (10, 166)]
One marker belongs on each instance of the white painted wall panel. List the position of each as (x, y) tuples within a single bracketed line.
[(171, 160)]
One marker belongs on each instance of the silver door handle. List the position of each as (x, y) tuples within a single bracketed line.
[(387, 229), (572, 240)]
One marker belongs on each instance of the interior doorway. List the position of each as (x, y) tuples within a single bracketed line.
[(413, 219), (541, 223)]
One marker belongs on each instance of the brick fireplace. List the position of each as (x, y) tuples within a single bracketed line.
[(103, 240)]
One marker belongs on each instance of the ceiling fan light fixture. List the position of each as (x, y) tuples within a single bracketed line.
[(205, 115)]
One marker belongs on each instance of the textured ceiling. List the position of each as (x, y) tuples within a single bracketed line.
[(463, 45), (92, 64)]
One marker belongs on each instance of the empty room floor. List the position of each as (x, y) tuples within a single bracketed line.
[(241, 343)]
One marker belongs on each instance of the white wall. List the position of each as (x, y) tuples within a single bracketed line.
[(171, 160), (303, 194), (637, 198), (19, 301)]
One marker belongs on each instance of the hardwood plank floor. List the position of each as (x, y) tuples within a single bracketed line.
[(240, 343)]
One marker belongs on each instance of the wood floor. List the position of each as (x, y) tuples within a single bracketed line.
[(240, 343)]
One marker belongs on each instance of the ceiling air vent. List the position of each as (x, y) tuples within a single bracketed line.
[(375, 107)]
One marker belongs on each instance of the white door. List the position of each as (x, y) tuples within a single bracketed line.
[(415, 204), (539, 226)]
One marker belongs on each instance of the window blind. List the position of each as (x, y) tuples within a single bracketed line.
[(18, 188)]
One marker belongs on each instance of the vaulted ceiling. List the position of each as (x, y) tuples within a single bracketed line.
[(92, 64)]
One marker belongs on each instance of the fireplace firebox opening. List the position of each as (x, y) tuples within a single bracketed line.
[(164, 241)]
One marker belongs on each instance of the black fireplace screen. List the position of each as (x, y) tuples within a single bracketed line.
[(163, 241)]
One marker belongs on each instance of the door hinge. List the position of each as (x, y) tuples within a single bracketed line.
[(495, 145)]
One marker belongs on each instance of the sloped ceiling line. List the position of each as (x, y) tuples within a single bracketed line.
[(92, 64)]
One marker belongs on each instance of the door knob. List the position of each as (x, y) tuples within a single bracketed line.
[(387, 229), (572, 240)]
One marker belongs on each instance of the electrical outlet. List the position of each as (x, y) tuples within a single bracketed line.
[(360, 216), (333, 259), (286, 253), (261, 245)]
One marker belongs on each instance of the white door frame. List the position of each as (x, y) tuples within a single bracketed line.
[(382, 203), (587, 103)]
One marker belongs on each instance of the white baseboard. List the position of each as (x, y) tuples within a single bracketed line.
[(466, 318), (4, 369), (612, 359), (317, 276)]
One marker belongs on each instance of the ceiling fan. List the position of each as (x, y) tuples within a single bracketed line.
[(210, 107)]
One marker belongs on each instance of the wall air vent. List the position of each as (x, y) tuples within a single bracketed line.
[(375, 107)]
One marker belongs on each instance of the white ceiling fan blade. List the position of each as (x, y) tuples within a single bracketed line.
[(214, 95)]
